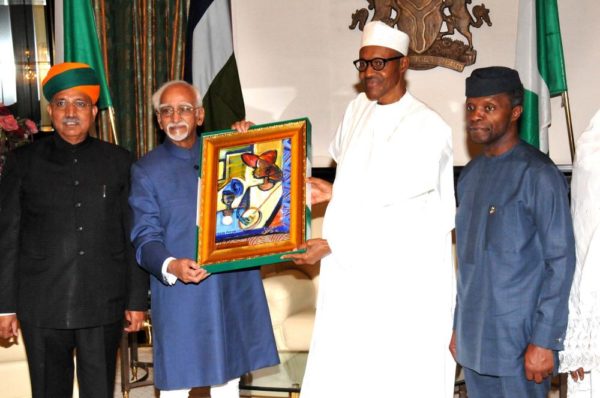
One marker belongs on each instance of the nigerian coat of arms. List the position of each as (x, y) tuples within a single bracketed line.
[(424, 22)]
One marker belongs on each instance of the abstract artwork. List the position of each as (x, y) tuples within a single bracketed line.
[(252, 206)]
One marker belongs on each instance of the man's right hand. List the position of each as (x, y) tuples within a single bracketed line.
[(578, 374), (187, 270), (9, 326), (320, 190)]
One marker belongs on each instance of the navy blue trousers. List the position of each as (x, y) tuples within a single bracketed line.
[(484, 386)]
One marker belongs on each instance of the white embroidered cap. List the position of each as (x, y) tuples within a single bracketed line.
[(377, 33)]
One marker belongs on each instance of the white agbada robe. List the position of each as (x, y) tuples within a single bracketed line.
[(384, 314), (582, 341)]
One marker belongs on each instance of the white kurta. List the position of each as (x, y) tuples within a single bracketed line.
[(384, 318), (582, 342)]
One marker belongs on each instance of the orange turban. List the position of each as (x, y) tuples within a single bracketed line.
[(69, 75)]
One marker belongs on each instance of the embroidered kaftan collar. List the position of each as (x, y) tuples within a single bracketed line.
[(183, 153)]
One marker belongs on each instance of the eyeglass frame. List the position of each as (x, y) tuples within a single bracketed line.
[(370, 62), (177, 110), (83, 105)]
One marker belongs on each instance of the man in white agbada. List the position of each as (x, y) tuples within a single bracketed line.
[(384, 306), (582, 342)]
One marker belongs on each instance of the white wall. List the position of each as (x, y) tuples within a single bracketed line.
[(295, 60)]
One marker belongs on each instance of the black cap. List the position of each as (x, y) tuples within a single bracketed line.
[(492, 80)]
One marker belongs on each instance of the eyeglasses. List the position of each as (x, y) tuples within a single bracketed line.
[(78, 104), (182, 110), (376, 63)]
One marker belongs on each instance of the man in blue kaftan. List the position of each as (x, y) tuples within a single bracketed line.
[(208, 329), (515, 249)]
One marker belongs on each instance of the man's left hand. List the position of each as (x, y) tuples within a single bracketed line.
[(136, 320), (316, 249), (242, 126), (452, 346), (539, 363)]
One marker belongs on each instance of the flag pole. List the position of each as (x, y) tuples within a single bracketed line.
[(567, 106), (111, 117)]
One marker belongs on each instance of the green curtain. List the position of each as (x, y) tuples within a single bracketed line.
[(143, 44)]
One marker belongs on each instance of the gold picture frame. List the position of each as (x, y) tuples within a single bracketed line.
[(253, 207)]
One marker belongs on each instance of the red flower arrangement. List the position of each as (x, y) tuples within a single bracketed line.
[(14, 132)]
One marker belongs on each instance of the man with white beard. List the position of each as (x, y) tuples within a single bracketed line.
[(208, 330)]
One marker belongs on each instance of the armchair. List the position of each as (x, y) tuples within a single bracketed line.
[(14, 368), (291, 292)]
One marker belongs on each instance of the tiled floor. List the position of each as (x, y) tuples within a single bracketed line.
[(150, 392)]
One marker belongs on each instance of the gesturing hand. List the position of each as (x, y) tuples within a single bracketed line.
[(539, 363), (187, 270)]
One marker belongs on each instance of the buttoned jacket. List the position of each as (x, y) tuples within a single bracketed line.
[(66, 260)]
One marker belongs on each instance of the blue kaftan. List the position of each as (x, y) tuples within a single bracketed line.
[(207, 333), (516, 260)]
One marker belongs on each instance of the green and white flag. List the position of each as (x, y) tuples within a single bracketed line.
[(210, 63), (77, 41), (541, 66)]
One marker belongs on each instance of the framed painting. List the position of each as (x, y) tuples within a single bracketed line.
[(253, 207)]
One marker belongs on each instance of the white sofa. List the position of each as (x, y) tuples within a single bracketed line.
[(14, 371), (291, 293)]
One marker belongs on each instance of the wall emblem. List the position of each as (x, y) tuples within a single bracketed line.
[(432, 26)]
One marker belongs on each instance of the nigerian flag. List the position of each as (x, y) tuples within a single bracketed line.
[(541, 66), (210, 63), (77, 40)]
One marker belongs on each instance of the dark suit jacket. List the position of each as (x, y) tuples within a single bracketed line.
[(65, 256)]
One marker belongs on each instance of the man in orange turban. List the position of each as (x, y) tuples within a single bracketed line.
[(67, 270), (71, 75), (72, 83)]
